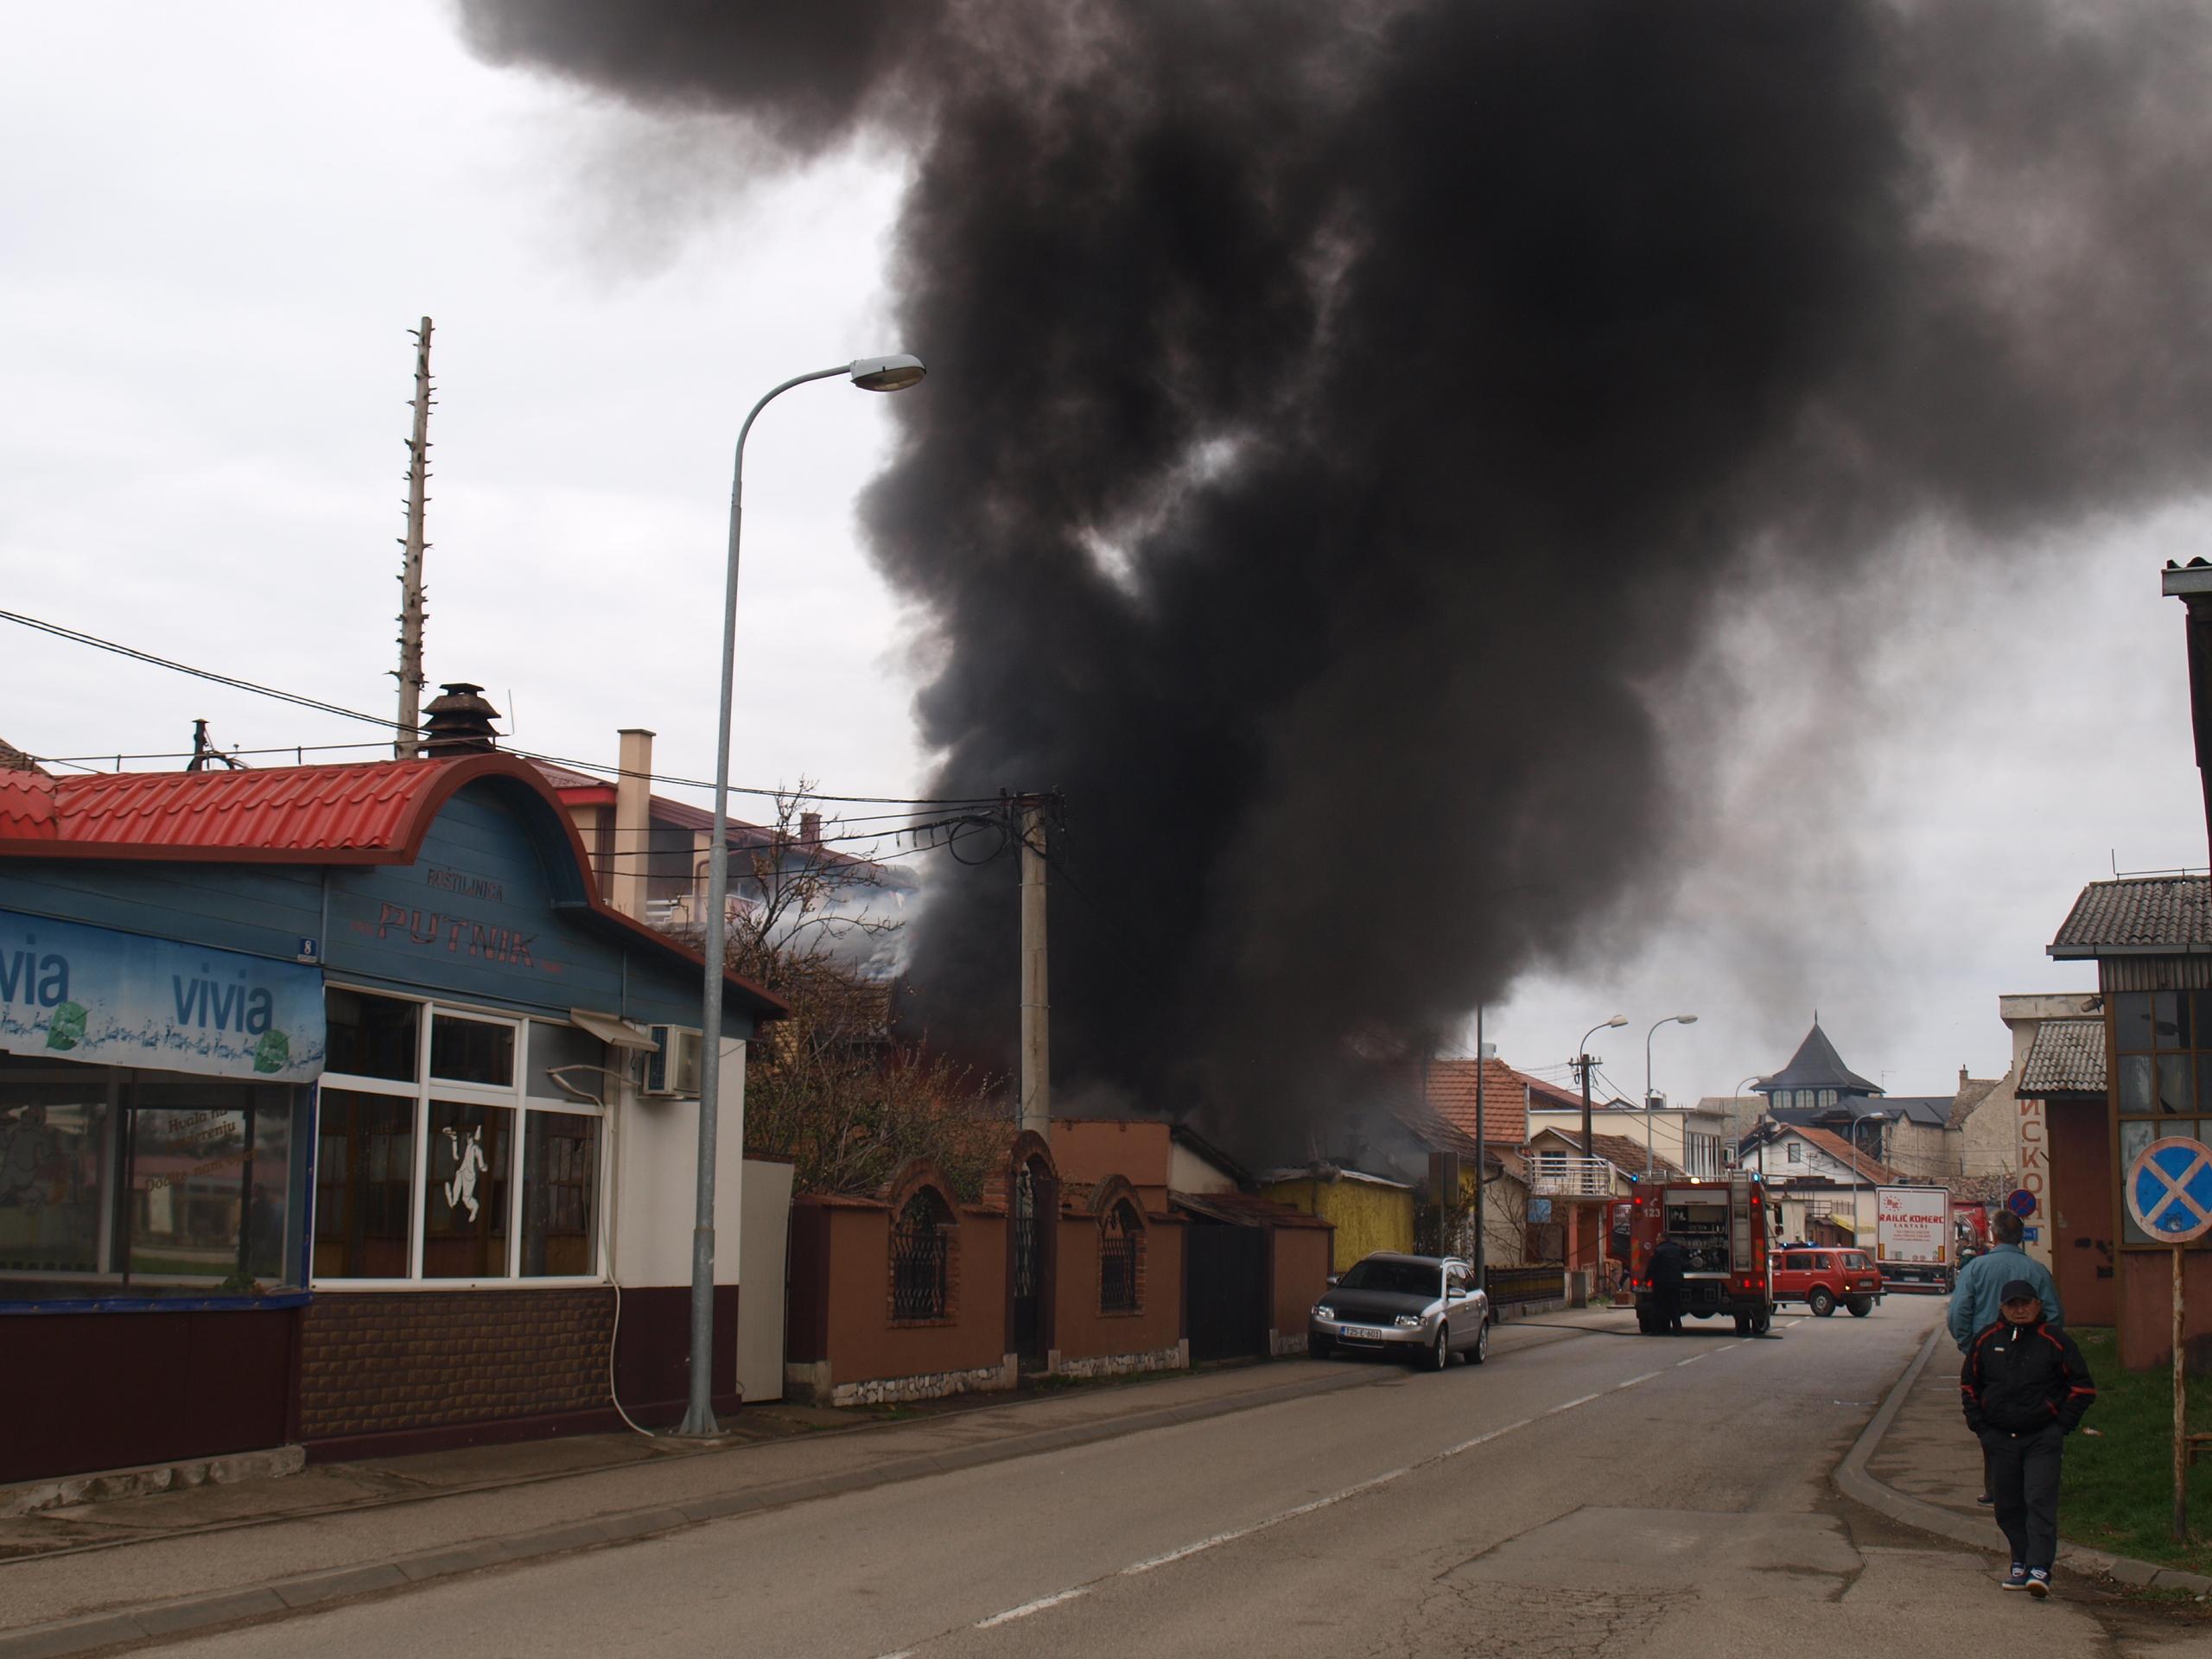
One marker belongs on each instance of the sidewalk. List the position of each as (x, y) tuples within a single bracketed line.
[(1916, 1463), (95, 1575)]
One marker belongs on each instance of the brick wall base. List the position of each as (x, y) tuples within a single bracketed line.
[(387, 1362)]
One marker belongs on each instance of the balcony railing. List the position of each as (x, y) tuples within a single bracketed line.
[(1563, 1177)]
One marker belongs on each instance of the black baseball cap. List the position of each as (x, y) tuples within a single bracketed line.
[(2019, 1290)]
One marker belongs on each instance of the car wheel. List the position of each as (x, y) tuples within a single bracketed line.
[(1761, 1324), (1439, 1356), (1480, 1351), (1859, 1307), (1821, 1302), (1320, 1347)]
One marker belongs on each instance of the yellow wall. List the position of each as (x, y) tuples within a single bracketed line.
[(1368, 1218)]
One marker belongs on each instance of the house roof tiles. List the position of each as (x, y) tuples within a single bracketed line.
[(1868, 1169), (2143, 915), (2067, 1057)]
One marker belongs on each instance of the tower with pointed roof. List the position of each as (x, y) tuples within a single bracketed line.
[(1816, 1079)]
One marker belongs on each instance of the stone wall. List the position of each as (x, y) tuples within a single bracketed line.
[(811, 1383), (1177, 1358)]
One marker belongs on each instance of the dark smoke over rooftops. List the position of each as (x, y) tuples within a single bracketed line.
[(1342, 417)]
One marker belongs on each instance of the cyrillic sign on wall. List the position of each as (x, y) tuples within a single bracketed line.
[(72, 992)]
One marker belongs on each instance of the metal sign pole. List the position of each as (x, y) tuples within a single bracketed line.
[(2181, 1410)]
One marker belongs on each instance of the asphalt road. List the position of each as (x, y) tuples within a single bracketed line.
[(1584, 1494)]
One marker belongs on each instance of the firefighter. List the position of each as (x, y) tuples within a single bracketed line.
[(1669, 1262), (2025, 1387)]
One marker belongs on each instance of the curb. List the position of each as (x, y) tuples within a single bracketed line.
[(278, 1596), (1850, 1478)]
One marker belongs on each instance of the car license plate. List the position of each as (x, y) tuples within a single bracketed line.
[(1368, 1333)]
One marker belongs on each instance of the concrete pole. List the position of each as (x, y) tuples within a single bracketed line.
[(1036, 1003), (411, 613)]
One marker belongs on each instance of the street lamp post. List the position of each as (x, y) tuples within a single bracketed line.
[(1755, 1128), (871, 374), (1582, 1064), (1671, 1019)]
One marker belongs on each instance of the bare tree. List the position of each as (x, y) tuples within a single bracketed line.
[(828, 1087)]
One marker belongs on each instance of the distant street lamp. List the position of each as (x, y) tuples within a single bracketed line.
[(870, 374), (1582, 1064), (1671, 1019)]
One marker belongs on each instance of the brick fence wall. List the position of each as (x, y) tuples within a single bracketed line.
[(374, 1364)]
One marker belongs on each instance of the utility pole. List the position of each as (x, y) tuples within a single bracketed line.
[(409, 673), (1582, 1064), (1482, 1154), (1036, 1005)]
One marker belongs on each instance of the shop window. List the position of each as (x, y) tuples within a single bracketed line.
[(472, 1050), (465, 1194), (920, 1258), (560, 1194), (364, 1181), (143, 1182), (480, 1165), (372, 1036), (1121, 1251)]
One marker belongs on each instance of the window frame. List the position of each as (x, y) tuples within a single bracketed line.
[(516, 1098)]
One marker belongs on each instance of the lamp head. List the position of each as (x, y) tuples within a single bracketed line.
[(1686, 1019), (1617, 1019), (894, 373)]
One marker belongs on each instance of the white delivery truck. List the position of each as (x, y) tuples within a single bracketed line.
[(1912, 1237)]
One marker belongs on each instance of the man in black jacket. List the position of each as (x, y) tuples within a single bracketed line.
[(1669, 1263), (2025, 1389)]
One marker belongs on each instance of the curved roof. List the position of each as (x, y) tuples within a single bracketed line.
[(368, 812), (1817, 1065)]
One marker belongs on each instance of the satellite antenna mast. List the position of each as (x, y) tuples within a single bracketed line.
[(411, 613)]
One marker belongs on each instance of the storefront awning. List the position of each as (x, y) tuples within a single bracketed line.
[(615, 1031)]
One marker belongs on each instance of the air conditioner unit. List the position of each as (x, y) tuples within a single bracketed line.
[(672, 1071)]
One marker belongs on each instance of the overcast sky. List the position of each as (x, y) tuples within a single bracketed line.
[(219, 221)]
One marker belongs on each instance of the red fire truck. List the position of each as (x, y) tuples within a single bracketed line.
[(1725, 1228)]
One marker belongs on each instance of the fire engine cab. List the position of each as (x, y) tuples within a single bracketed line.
[(1725, 1228)]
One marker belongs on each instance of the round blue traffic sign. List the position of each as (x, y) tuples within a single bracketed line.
[(2021, 1202), (2168, 1190)]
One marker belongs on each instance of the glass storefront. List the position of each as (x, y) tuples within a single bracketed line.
[(125, 1182)]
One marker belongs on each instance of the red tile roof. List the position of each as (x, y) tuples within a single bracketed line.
[(1505, 1097), (367, 812), (1849, 1157), (370, 812)]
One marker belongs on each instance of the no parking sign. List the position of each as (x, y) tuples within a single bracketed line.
[(2168, 1190)]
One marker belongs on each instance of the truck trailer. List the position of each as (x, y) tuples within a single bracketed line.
[(1913, 1237), (1725, 1228)]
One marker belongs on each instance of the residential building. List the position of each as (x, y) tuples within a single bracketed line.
[(1691, 1138), (1825, 1186)]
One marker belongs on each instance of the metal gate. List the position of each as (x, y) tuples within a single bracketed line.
[(1225, 1290), (1028, 1247)]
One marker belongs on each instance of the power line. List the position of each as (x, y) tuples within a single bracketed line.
[(77, 636)]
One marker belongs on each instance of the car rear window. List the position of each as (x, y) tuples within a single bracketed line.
[(1856, 1259)]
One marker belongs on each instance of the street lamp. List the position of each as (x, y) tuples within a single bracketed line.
[(1877, 1119), (893, 373), (1582, 1065), (1737, 1093), (1671, 1019)]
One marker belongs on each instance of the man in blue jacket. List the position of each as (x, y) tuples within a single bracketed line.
[(1978, 1289)]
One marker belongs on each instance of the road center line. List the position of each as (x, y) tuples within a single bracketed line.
[(1152, 1563), (1029, 1607), (1692, 1360)]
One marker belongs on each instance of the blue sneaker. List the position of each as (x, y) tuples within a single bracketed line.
[(2039, 1582), (2017, 1578)]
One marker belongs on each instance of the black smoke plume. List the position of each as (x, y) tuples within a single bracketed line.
[(1342, 417)]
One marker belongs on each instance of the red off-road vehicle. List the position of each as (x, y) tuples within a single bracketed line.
[(1824, 1279)]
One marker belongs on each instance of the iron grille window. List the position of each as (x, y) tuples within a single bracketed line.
[(920, 1244), (1121, 1236)]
